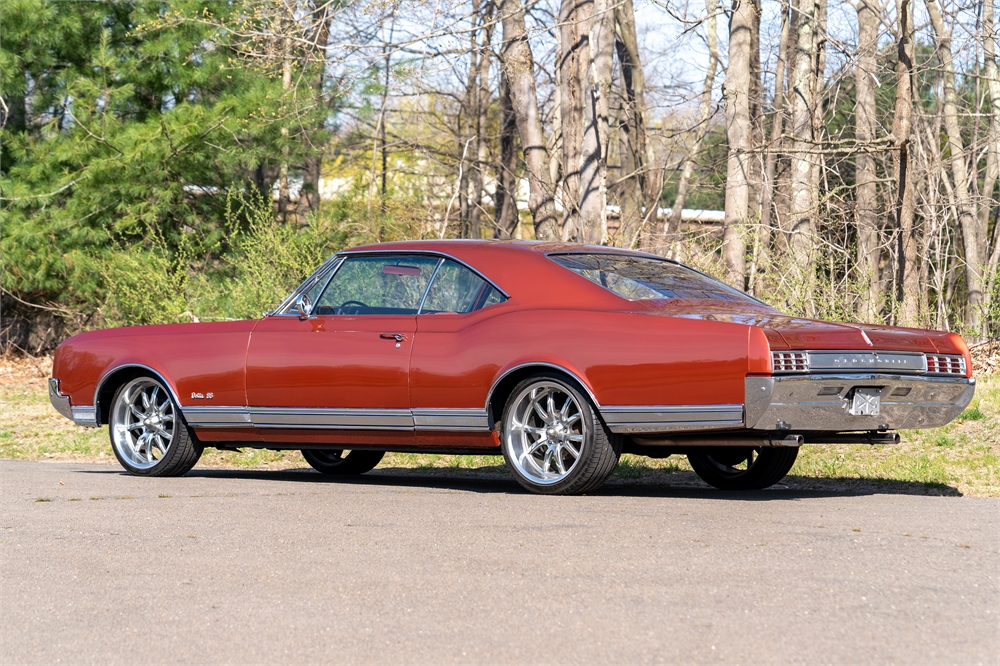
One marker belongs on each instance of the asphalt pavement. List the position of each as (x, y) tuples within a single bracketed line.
[(399, 567)]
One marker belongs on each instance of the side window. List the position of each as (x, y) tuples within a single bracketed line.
[(311, 288), (377, 285), (456, 289)]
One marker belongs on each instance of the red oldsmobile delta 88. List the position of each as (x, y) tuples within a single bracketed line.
[(559, 356)]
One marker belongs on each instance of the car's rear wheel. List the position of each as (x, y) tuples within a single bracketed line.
[(148, 433), (341, 462), (553, 440), (743, 467)]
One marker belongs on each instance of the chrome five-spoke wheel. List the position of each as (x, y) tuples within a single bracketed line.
[(552, 440), (147, 433)]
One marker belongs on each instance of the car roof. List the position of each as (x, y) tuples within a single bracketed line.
[(522, 269)]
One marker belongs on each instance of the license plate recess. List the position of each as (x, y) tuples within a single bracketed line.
[(866, 402)]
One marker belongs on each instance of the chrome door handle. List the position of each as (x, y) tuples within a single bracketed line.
[(398, 337)]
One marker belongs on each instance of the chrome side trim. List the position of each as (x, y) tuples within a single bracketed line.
[(822, 401), (451, 419), (338, 418), (209, 417), (350, 419), (672, 418)]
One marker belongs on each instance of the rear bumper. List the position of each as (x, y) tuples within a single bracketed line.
[(85, 416), (907, 401)]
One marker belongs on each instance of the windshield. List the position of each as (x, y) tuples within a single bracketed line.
[(648, 278)]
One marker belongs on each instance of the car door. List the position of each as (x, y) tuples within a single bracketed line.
[(346, 365), (456, 352)]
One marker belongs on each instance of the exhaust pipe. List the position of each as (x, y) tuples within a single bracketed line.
[(769, 440), (764, 440)]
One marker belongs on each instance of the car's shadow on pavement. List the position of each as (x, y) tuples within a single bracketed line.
[(678, 484)]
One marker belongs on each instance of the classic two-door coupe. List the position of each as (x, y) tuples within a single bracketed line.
[(559, 356)]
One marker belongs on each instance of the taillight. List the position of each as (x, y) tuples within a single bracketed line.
[(959, 343), (795, 361), (946, 364)]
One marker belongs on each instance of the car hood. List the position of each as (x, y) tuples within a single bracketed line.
[(787, 332)]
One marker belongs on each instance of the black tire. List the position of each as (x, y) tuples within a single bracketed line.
[(178, 447), (338, 462), (599, 448), (718, 466)]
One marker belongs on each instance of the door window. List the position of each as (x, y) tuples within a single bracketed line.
[(456, 289), (377, 285)]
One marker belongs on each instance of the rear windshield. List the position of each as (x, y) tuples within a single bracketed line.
[(646, 278)]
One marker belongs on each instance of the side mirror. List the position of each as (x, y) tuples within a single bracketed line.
[(304, 307)]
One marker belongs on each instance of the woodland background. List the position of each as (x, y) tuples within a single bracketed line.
[(186, 160)]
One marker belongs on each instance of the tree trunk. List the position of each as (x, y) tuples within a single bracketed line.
[(738, 131), (774, 147), (468, 132), (866, 197), (505, 197), (482, 123), (973, 236), (672, 228), (906, 248), (992, 165), (572, 60), (313, 164), (632, 129), (519, 68), (804, 196), (286, 85), (594, 157)]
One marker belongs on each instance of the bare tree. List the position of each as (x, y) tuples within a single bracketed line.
[(632, 130), (969, 223), (594, 156), (804, 195), (738, 131), (672, 228), (866, 197), (519, 69), (906, 252)]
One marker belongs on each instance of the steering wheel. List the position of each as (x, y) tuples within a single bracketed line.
[(343, 305)]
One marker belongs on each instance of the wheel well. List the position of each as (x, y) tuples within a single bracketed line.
[(115, 381), (503, 389)]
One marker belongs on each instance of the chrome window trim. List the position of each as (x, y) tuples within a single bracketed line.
[(432, 253), (335, 259), (437, 268), (641, 255)]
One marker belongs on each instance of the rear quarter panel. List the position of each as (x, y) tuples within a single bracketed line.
[(625, 358)]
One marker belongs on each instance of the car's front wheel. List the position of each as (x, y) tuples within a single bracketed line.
[(553, 440), (338, 462), (148, 433), (743, 467)]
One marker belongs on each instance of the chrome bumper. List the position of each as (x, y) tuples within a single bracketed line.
[(795, 402), (85, 416)]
